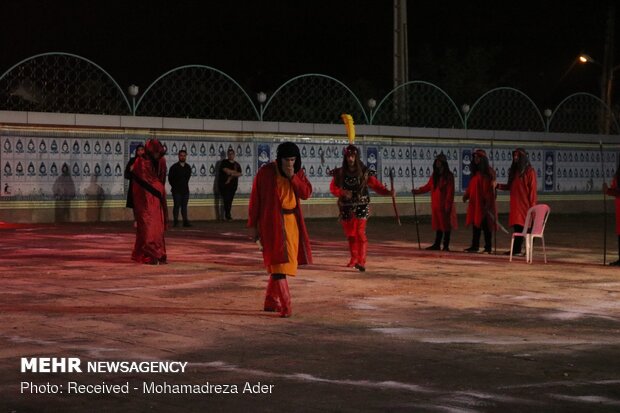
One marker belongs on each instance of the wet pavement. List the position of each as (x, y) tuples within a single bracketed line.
[(420, 331)]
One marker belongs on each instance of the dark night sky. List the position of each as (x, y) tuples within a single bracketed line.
[(529, 45)]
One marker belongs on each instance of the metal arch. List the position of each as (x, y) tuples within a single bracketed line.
[(200, 67), (78, 57), (540, 116), (318, 75), (559, 105), (458, 112)]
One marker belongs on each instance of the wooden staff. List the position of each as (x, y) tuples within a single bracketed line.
[(604, 206), (415, 208), (394, 196)]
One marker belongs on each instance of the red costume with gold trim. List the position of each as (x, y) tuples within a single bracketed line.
[(275, 213), (265, 211)]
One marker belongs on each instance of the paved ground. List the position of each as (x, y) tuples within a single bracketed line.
[(418, 332)]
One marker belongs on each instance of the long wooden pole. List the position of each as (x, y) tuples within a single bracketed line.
[(415, 208), (604, 206)]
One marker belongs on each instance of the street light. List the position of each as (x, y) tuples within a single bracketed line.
[(133, 91), (372, 104), (547, 113), (465, 109), (607, 81), (261, 97)]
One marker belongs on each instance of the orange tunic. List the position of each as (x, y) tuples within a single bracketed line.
[(289, 202)]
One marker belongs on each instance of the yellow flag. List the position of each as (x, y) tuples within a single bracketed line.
[(348, 123)]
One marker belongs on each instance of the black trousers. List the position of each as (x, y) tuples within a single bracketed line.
[(516, 248), (488, 236), (446, 239), (180, 202), (227, 197)]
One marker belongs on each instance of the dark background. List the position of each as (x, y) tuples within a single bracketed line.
[(466, 48)]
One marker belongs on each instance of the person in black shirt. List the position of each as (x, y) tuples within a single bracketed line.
[(178, 176), (229, 174)]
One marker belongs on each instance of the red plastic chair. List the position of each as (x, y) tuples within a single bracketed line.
[(534, 227)]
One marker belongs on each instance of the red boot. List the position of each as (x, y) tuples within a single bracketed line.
[(353, 251), (271, 297), (361, 254), (285, 297)]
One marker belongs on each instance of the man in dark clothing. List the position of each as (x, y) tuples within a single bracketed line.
[(229, 174), (178, 176)]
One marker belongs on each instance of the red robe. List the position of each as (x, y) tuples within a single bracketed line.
[(614, 191), (442, 203), (265, 213), (149, 198), (481, 201), (522, 196)]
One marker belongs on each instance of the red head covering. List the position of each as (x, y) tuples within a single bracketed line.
[(154, 146), (480, 152)]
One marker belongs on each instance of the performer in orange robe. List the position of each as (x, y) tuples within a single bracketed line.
[(441, 187), (275, 219), (150, 209), (350, 184), (481, 211), (614, 191), (522, 187)]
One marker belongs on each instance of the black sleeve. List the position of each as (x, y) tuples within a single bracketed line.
[(128, 168)]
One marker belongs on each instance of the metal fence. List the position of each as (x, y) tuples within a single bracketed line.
[(67, 83)]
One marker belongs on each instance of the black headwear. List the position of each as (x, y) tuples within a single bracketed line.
[(444, 165), (519, 166), (288, 150), (359, 168), (351, 150), (482, 166)]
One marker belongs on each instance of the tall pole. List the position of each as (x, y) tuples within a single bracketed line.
[(496, 223), (604, 206), (415, 207), (133, 91), (608, 71), (400, 58), (401, 55)]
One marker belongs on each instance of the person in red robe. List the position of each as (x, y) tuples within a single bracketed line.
[(614, 190), (350, 184), (441, 187), (149, 197), (481, 211), (522, 186), (276, 221)]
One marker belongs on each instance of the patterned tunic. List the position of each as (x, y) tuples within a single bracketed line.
[(357, 206)]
